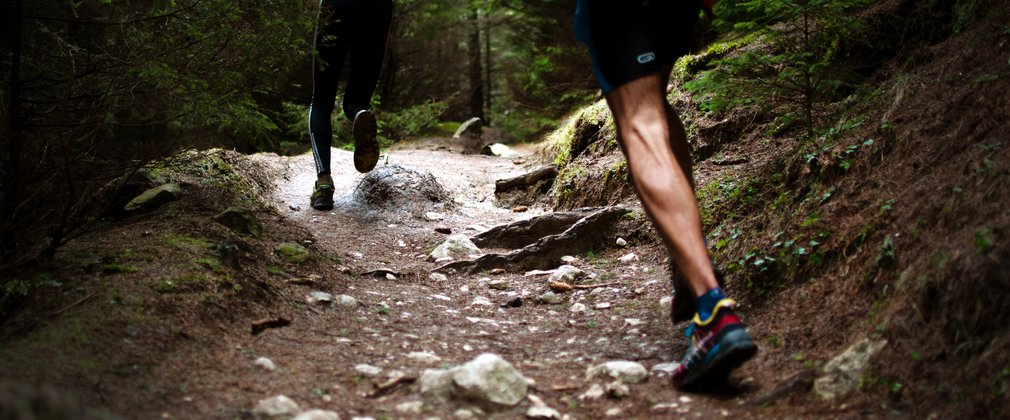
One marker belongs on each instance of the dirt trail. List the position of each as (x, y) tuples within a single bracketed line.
[(318, 356)]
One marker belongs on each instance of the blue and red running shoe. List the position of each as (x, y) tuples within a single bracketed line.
[(718, 345)]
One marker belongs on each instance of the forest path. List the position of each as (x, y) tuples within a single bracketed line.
[(333, 357)]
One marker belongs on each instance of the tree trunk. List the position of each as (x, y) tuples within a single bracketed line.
[(12, 191), (476, 81), (487, 69)]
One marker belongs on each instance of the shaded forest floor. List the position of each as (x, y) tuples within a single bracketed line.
[(156, 325), (150, 315)]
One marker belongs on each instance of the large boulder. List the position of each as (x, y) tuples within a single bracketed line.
[(471, 132), (394, 188)]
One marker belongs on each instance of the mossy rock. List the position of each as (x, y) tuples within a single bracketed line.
[(292, 252), (154, 197), (240, 220)]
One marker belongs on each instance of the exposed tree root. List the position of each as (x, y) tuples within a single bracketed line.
[(525, 232), (590, 230), (526, 180)]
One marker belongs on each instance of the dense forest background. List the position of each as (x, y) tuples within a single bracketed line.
[(94, 90)]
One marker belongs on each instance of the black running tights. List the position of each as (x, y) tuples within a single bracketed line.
[(355, 28)]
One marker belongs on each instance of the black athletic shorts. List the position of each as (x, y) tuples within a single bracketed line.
[(629, 39)]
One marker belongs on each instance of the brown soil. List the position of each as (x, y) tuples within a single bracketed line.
[(140, 317), (145, 323)]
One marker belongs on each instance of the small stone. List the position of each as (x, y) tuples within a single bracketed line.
[(497, 271), (550, 298), (519, 209), (617, 389), (498, 149), (490, 378), (413, 407), (265, 364), (278, 407), (578, 308), (390, 276), (632, 322), (621, 242), (542, 412), (356, 255), (453, 247), (625, 371), (319, 298), (665, 406), (665, 368), (481, 301), (464, 414), (347, 301), (443, 230), (464, 289), (629, 258), (424, 357), (665, 307), (568, 259), (439, 277), (613, 412), (602, 305), (368, 370), (567, 273), (594, 392), (498, 284), (317, 414), (292, 252), (843, 373), (434, 217)]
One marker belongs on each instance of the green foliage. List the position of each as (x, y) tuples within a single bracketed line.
[(117, 268), (984, 240), (888, 252), (104, 87), (795, 66), (15, 289), (411, 121)]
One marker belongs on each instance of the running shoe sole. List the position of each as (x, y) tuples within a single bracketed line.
[(366, 147), (734, 350)]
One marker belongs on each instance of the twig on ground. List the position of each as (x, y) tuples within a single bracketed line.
[(390, 385), (65, 308), (593, 286)]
